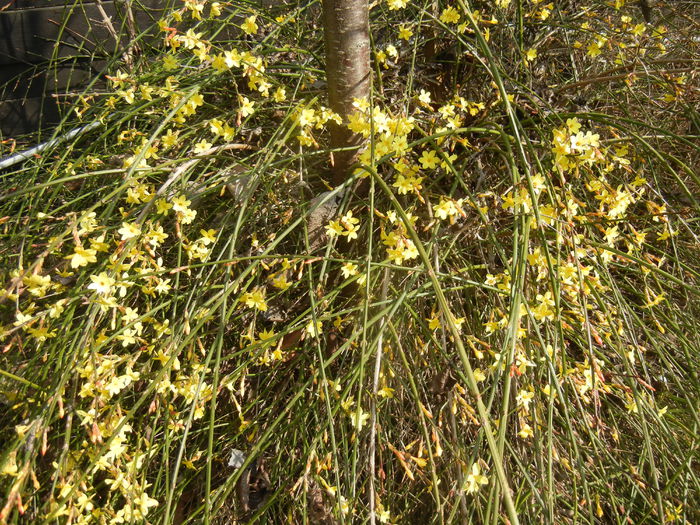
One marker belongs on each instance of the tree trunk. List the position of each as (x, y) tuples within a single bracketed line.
[(346, 31)]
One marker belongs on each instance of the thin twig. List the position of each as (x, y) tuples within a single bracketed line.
[(610, 78), (110, 27), (373, 406), (131, 28)]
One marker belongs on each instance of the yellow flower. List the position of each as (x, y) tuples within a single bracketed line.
[(82, 256), (129, 231), (280, 95), (37, 284), (396, 4), (524, 398), (101, 283), (361, 104), (475, 479), (162, 206), (449, 161), (22, 318), (611, 234), (531, 54), (334, 228), (280, 282), (216, 126), (208, 236), (349, 269), (359, 123), (446, 208), (265, 335), (246, 108), (429, 160), (196, 100), (350, 224), (386, 392), (42, 333), (255, 299), (249, 27), (449, 15), (187, 216), (170, 62), (143, 502), (314, 329), (544, 310), (404, 32), (220, 64), (358, 418), (639, 29), (344, 505), (525, 431), (170, 138), (594, 48), (202, 146), (407, 184), (434, 322), (181, 204), (424, 97)]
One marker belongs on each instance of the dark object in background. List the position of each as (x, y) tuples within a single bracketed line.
[(51, 49), (646, 10)]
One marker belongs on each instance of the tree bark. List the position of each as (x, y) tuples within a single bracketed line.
[(346, 32)]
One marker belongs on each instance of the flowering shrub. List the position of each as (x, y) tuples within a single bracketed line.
[(502, 324)]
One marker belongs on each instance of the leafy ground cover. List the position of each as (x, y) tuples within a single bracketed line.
[(495, 319)]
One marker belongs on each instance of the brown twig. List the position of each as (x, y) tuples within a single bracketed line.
[(621, 76), (131, 28)]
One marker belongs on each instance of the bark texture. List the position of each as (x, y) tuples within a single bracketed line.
[(346, 32)]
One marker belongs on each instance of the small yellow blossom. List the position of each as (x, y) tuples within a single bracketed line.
[(162, 206), (82, 256), (280, 282), (314, 329), (525, 431), (475, 479), (424, 97), (202, 146), (333, 228), (101, 283), (181, 204), (429, 160), (280, 95), (208, 236), (170, 138), (246, 108), (396, 4), (349, 269), (249, 27), (449, 15), (129, 231), (170, 62), (358, 418), (255, 299)]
